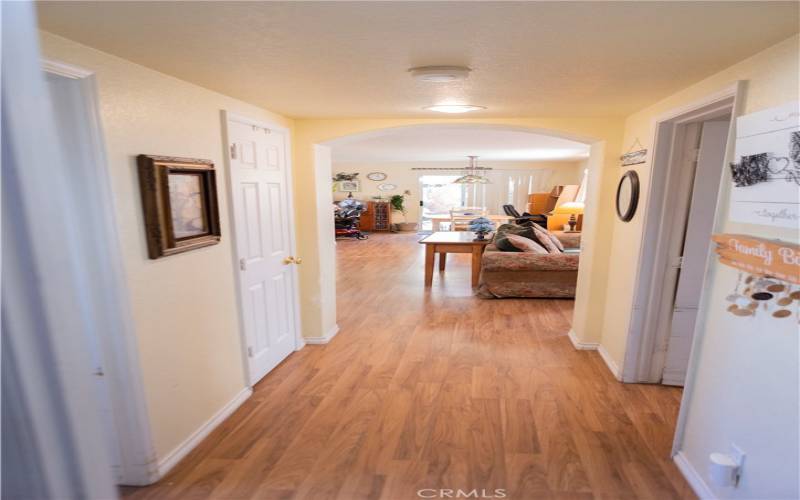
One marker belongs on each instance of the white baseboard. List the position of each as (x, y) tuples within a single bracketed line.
[(693, 477), (582, 346), (610, 363), (324, 339), (595, 346), (172, 458)]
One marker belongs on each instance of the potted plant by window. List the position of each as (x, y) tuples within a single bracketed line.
[(397, 202)]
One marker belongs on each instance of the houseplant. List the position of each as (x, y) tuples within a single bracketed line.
[(397, 202)]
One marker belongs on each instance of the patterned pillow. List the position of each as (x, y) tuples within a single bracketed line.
[(503, 244), (548, 240), (507, 229), (525, 244)]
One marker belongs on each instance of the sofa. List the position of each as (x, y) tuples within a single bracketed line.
[(522, 274)]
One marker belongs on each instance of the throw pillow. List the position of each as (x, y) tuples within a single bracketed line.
[(503, 244), (525, 244), (549, 241)]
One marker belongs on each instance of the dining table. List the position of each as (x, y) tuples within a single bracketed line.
[(437, 220)]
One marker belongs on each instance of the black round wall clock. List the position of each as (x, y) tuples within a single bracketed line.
[(627, 195)]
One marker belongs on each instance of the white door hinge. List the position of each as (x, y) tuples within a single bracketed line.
[(677, 263), (99, 371), (233, 151), (243, 264), (249, 351)]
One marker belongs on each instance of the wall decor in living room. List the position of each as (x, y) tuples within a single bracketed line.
[(179, 199), (346, 182), (348, 186)]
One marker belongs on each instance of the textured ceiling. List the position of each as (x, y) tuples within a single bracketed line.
[(454, 143), (349, 59)]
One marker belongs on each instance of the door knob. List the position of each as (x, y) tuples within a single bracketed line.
[(298, 261), (288, 260)]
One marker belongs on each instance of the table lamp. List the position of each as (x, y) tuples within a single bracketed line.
[(573, 208)]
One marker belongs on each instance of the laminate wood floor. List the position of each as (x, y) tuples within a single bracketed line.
[(436, 390)]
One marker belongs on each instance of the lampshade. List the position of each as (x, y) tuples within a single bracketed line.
[(472, 176), (570, 207)]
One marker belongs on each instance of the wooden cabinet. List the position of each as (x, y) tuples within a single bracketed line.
[(377, 216)]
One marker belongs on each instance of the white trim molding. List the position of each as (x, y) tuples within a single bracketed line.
[(640, 363), (324, 339), (176, 455), (134, 456), (65, 70), (596, 346), (610, 363), (693, 477), (581, 346)]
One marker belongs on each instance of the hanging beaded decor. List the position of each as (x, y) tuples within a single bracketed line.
[(755, 294)]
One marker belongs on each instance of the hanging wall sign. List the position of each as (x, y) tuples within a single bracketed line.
[(770, 258), (766, 171), (636, 154)]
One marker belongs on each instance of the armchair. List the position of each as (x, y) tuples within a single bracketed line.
[(525, 218)]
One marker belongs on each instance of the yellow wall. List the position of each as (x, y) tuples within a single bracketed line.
[(184, 306), (771, 78), (188, 331), (605, 134), (744, 387)]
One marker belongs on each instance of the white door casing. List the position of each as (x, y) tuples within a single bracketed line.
[(260, 197), (696, 249)]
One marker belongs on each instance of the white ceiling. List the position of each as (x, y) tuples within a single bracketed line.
[(349, 59), (454, 143)]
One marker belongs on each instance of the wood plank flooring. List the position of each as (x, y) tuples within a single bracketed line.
[(436, 390)]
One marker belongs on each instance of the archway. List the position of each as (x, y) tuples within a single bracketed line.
[(326, 136)]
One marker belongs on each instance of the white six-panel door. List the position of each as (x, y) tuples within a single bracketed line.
[(264, 243)]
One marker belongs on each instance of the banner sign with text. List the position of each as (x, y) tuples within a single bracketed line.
[(775, 258)]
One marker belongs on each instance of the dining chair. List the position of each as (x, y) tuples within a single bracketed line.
[(460, 217)]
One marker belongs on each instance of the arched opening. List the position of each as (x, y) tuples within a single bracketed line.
[(325, 154)]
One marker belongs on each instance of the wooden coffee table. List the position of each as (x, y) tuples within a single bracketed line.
[(444, 242)]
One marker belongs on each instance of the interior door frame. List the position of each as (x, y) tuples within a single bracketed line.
[(639, 364), (121, 365), (226, 117)]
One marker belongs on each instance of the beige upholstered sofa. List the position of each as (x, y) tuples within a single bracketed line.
[(519, 274)]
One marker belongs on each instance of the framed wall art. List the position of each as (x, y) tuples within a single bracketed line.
[(349, 186), (179, 199), (766, 173)]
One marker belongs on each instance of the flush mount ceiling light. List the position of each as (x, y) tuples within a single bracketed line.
[(440, 74), (472, 176), (453, 108)]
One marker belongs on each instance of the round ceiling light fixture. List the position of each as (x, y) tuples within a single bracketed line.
[(454, 108), (440, 74)]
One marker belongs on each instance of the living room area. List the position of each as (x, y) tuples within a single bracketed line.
[(506, 205)]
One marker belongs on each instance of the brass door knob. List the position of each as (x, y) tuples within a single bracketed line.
[(298, 261), (288, 260)]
